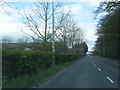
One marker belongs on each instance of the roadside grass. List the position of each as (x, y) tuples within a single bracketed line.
[(29, 81)]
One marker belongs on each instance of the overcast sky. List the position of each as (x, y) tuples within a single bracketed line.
[(82, 11)]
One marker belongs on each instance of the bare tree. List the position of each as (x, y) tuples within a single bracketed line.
[(22, 43), (43, 13), (42, 20), (75, 36), (63, 31), (71, 38), (5, 7), (80, 36), (6, 40), (69, 32), (23, 40)]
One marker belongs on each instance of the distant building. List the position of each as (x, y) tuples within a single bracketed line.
[(27, 49)]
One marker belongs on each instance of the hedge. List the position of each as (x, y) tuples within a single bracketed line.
[(15, 63)]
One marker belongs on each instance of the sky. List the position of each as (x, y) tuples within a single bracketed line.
[(82, 11)]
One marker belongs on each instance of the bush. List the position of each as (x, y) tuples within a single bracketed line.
[(65, 57), (16, 63)]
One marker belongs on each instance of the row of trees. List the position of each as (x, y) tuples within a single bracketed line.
[(38, 24), (108, 29), (66, 30)]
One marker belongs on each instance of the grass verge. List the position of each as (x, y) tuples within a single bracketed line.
[(29, 81)]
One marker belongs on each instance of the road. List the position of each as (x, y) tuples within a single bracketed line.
[(90, 72)]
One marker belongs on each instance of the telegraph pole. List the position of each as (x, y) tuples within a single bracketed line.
[(53, 34)]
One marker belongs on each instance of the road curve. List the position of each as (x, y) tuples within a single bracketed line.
[(90, 72)]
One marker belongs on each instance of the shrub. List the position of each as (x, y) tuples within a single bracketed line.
[(16, 63), (66, 57)]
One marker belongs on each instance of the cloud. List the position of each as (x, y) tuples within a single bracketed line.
[(27, 10), (90, 30), (5, 8), (76, 8), (9, 23), (84, 17), (55, 0), (9, 26), (73, 8), (78, 11), (95, 3), (90, 45)]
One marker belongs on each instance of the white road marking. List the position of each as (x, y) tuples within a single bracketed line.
[(110, 80), (95, 65), (99, 69)]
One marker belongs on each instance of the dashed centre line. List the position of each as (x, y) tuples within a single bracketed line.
[(110, 80), (99, 69)]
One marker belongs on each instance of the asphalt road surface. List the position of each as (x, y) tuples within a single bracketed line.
[(90, 72)]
